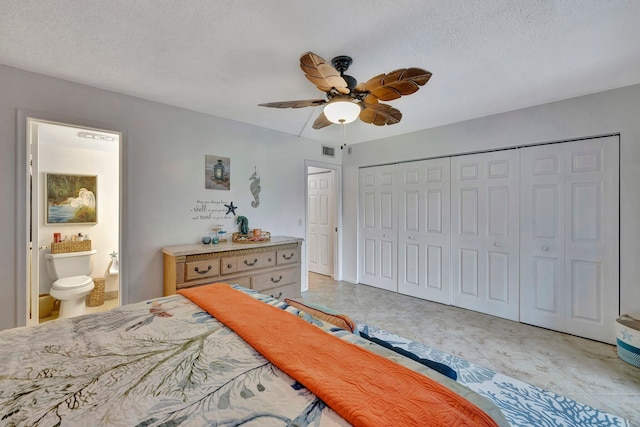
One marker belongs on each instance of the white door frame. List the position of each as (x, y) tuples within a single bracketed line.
[(337, 215), (23, 206)]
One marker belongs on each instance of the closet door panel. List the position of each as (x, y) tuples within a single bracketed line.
[(485, 240), (592, 241), (435, 269), (468, 271), (542, 238), (570, 237), (378, 227), (424, 229)]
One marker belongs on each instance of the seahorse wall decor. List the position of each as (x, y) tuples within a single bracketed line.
[(244, 224), (255, 187)]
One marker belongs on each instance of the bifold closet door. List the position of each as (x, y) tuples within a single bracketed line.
[(485, 233), (378, 230), (570, 237), (424, 234)]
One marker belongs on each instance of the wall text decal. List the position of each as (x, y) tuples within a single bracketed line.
[(208, 210)]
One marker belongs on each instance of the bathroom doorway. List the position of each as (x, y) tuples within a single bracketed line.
[(57, 150)]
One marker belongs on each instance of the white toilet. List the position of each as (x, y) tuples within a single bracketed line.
[(72, 282)]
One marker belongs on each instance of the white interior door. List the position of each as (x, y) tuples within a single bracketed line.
[(485, 233), (321, 228), (570, 237), (378, 230), (424, 234)]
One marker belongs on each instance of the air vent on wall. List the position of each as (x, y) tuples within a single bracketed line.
[(328, 151)]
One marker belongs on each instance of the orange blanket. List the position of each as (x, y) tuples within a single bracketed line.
[(362, 387)]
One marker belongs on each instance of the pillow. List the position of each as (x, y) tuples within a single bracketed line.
[(436, 366), (326, 314)]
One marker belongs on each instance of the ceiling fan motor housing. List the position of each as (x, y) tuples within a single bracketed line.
[(342, 63)]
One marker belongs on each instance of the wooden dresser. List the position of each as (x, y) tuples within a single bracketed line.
[(272, 268)]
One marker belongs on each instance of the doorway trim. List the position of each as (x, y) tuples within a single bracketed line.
[(337, 212), (23, 209)]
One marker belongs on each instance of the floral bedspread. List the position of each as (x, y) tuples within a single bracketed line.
[(160, 362)]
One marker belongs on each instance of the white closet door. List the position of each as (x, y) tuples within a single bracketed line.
[(485, 233), (424, 235), (570, 241), (378, 231), (321, 227)]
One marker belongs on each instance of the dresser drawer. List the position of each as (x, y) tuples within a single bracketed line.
[(201, 269), (288, 256), (256, 260), (264, 281), (286, 291), (228, 265), (242, 281)]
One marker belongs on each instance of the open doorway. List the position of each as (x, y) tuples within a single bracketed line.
[(57, 156), (323, 221)]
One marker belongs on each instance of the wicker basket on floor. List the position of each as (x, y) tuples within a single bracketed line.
[(96, 297)]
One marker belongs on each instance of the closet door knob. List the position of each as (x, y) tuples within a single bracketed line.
[(496, 244), (545, 248), (410, 237)]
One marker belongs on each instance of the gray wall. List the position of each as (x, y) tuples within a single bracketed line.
[(615, 111), (164, 159), (163, 155)]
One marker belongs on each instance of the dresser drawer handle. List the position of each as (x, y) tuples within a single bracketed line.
[(278, 297), (287, 257), (255, 260), (229, 266), (197, 270), (276, 281)]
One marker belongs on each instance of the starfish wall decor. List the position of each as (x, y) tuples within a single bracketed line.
[(230, 208)]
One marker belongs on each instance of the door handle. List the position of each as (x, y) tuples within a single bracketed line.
[(545, 248), (496, 244)]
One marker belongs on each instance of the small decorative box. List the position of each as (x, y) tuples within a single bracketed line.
[(628, 339)]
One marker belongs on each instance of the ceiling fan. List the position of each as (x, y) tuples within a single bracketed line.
[(346, 99)]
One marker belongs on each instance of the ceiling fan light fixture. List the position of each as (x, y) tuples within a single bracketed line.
[(341, 110)]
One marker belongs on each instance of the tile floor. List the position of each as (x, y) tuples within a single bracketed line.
[(587, 371)]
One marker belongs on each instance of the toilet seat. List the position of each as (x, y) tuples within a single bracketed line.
[(69, 283)]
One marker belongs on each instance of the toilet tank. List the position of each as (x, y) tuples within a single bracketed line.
[(69, 264)]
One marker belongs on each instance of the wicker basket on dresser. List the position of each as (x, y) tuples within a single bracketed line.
[(272, 268)]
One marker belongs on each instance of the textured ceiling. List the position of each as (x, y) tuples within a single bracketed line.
[(223, 57)]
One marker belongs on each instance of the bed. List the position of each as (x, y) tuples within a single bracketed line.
[(169, 361)]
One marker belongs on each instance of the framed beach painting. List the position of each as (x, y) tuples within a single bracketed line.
[(71, 199), (217, 172)]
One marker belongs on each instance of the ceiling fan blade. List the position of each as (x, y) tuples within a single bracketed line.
[(387, 87), (295, 104), (321, 122), (380, 114), (322, 74)]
